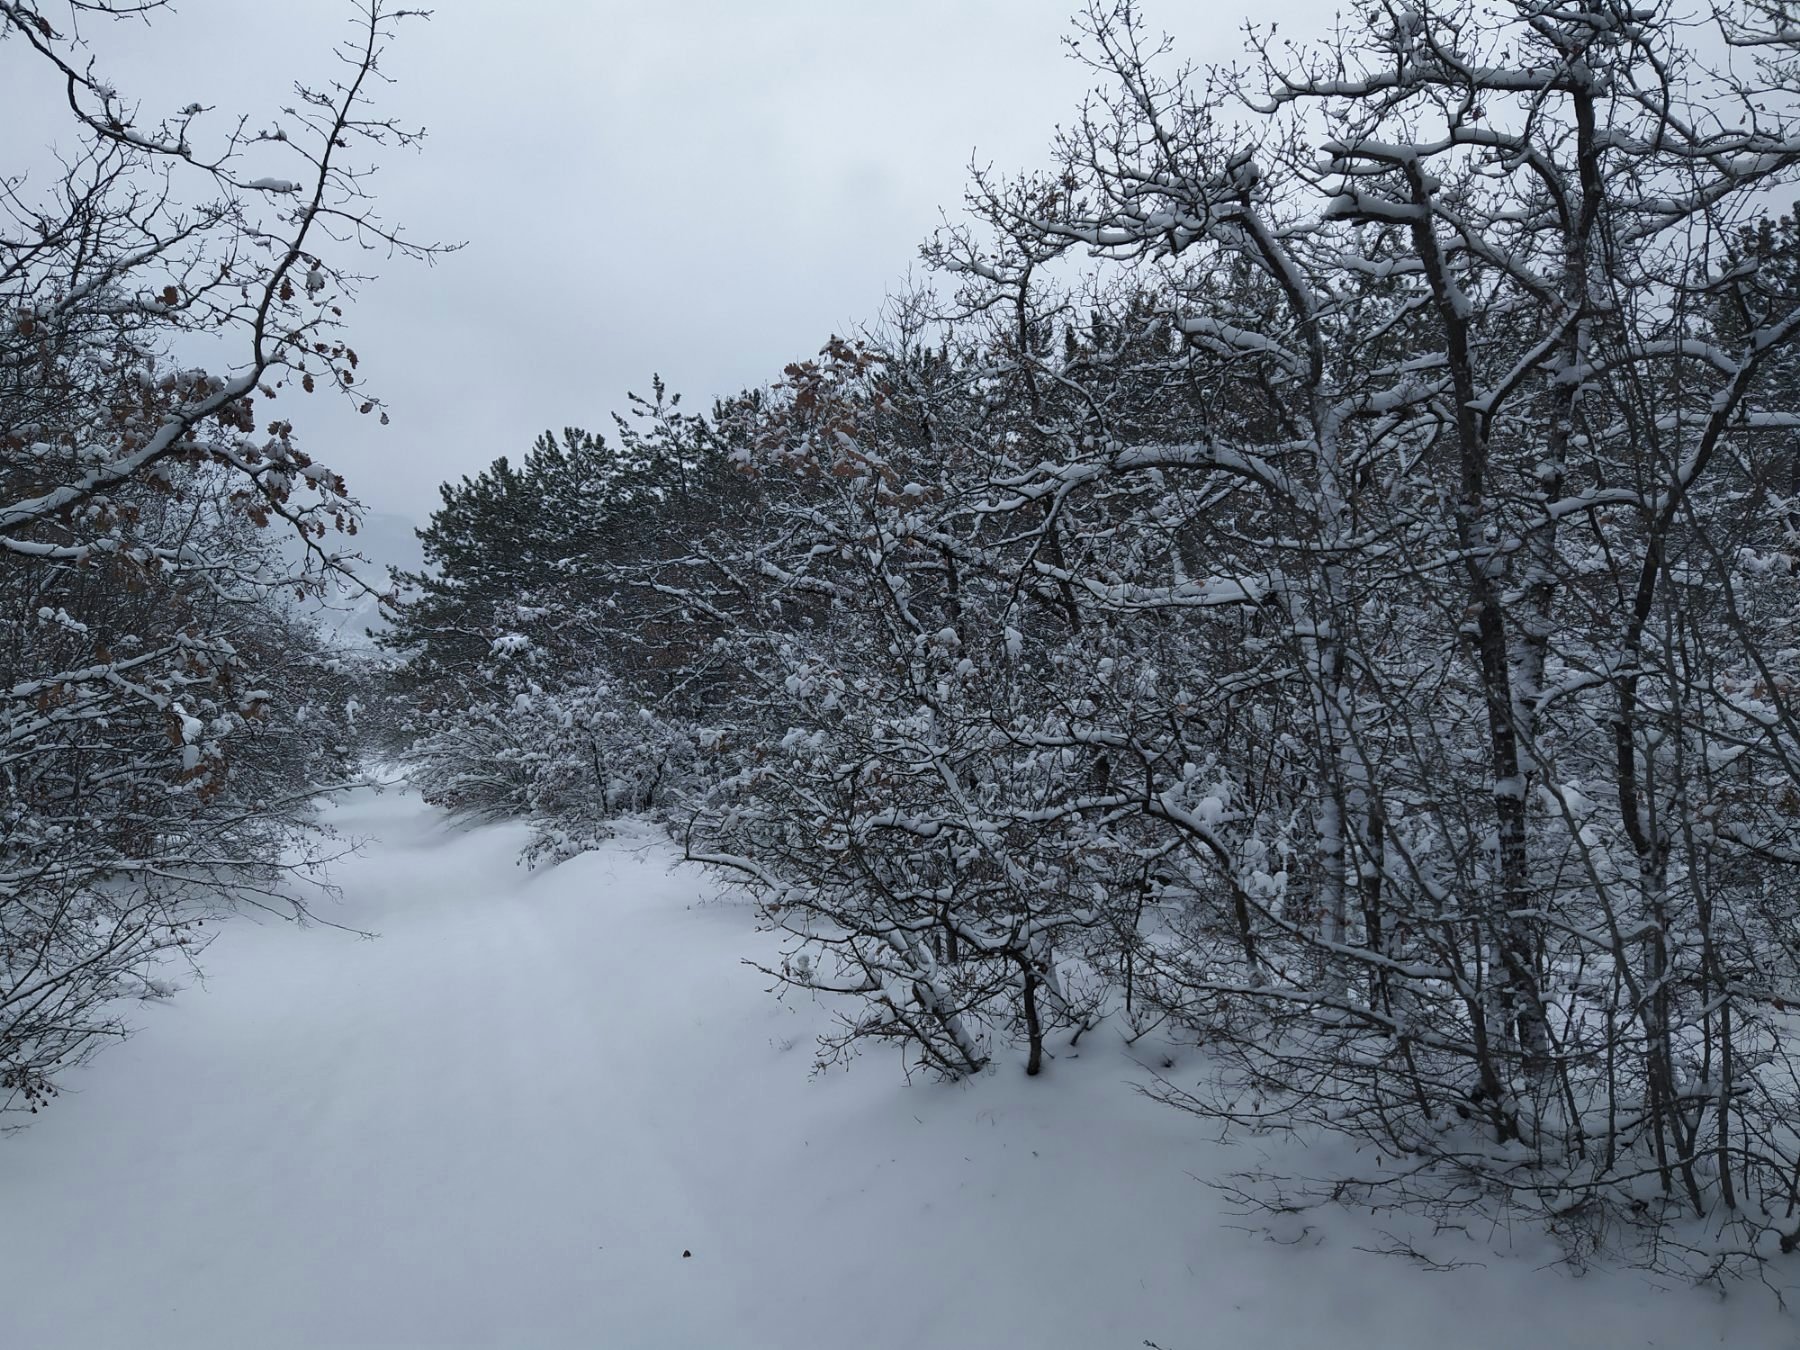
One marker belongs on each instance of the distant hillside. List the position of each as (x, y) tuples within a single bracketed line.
[(384, 540)]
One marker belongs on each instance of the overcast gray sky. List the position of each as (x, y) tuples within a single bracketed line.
[(704, 188)]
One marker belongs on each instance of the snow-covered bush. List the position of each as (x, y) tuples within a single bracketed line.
[(569, 761), (923, 862), (597, 757)]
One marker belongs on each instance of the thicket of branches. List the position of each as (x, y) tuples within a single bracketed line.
[(166, 715), (1317, 577)]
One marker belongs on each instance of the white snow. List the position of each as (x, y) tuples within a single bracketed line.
[(502, 1123)]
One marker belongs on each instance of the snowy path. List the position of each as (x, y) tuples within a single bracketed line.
[(502, 1123)]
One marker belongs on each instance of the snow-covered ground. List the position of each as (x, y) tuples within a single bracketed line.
[(505, 1122)]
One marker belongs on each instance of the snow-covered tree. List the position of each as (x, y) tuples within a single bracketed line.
[(1316, 574), (165, 719), (1341, 552)]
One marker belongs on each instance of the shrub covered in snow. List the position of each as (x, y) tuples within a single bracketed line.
[(568, 761)]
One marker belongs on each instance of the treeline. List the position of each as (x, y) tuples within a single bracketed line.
[(1316, 577)]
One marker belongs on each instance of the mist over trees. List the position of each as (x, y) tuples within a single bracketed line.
[(1313, 575)]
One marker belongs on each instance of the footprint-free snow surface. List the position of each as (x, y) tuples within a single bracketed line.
[(506, 1121)]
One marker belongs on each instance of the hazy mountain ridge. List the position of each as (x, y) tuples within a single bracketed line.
[(384, 540)]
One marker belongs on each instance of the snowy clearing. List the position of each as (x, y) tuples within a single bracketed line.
[(505, 1121)]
